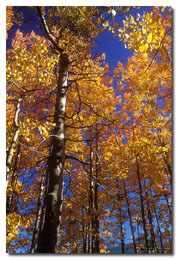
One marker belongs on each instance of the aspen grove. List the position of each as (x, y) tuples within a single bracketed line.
[(89, 160)]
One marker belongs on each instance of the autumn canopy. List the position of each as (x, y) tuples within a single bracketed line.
[(88, 148)]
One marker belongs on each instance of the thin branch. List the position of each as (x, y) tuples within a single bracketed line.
[(17, 85), (156, 52), (70, 179), (78, 141), (45, 26), (76, 159), (101, 185), (31, 148)]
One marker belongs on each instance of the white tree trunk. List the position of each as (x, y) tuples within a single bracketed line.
[(14, 140), (52, 216)]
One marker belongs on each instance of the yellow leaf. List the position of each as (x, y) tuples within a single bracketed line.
[(132, 20), (153, 26), (110, 11), (149, 39), (40, 129), (162, 32), (154, 40), (45, 133), (164, 149), (68, 205), (139, 38), (27, 133), (142, 48), (146, 47)]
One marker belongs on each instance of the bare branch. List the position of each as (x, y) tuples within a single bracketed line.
[(76, 159)]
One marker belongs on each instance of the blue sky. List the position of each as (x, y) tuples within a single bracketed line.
[(104, 43), (3, 4), (111, 46)]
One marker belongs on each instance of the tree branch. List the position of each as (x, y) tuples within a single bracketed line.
[(156, 52), (76, 159), (45, 26)]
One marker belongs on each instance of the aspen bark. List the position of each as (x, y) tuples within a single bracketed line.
[(93, 242), (88, 239), (141, 194), (159, 229), (12, 183), (53, 211), (14, 140), (142, 203), (91, 197), (167, 202), (84, 235), (150, 219), (121, 225), (138, 232), (130, 218), (97, 244), (157, 222), (122, 234), (38, 216)]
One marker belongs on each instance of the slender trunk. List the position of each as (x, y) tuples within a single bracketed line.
[(157, 222), (43, 212), (159, 229), (96, 226), (138, 236), (84, 241), (153, 240), (90, 200), (168, 166), (122, 236), (93, 245), (121, 226), (130, 218), (84, 237), (91, 197), (88, 238), (141, 194), (52, 218), (38, 216), (9, 200), (96, 220), (168, 170), (14, 140), (142, 204), (167, 201)]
